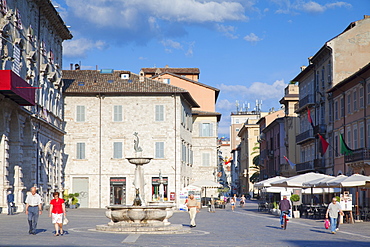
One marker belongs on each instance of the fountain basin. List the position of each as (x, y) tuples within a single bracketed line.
[(139, 218), (139, 160)]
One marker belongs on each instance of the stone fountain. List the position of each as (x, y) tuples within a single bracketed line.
[(139, 217)]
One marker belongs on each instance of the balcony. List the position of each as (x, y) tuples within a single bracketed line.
[(306, 101), (319, 129), (305, 137), (305, 167), (319, 164), (358, 157), (17, 89)]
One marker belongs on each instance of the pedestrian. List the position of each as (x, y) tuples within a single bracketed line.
[(193, 206), (56, 212), (232, 203), (10, 200), (242, 201), (284, 206), (212, 209), (33, 209), (332, 212)]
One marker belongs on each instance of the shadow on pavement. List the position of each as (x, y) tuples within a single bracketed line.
[(275, 227), (340, 242), (318, 231)]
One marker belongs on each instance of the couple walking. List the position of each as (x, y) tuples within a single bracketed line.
[(34, 209)]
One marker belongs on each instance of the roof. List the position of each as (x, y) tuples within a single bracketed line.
[(303, 73), (357, 74), (50, 13), (85, 82), (181, 71), (217, 91), (207, 113)]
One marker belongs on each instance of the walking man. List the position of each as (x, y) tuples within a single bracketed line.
[(212, 209), (10, 199), (284, 205), (33, 209), (193, 206), (332, 211)]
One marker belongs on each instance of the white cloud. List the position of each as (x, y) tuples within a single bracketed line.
[(170, 44), (228, 31), (79, 47), (126, 13), (259, 90), (312, 7), (225, 105), (252, 38)]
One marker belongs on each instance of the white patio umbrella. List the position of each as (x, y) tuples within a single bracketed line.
[(267, 182), (353, 181), (299, 180), (206, 184)]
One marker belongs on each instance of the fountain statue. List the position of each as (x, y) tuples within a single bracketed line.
[(140, 217)]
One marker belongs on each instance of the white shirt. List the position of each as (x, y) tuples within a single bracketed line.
[(33, 200)]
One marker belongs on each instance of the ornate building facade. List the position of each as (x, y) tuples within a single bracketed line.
[(31, 103)]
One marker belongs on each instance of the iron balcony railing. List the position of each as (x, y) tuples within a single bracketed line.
[(305, 166), (305, 136), (306, 101), (320, 129), (319, 163), (361, 154)]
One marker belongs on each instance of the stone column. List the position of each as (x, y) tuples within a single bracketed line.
[(18, 189)]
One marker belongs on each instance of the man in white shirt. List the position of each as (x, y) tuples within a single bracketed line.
[(33, 209)]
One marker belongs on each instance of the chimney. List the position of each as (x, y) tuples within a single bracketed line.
[(303, 67), (71, 66), (366, 16)]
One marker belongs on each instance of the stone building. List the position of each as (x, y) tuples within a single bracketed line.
[(205, 118), (31, 103), (354, 124), (103, 109), (337, 59)]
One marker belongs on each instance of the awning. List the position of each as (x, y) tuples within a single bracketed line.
[(17, 89)]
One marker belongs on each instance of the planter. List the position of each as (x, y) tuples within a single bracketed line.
[(296, 214)]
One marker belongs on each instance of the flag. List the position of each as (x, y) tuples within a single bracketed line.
[(228, 161), (344, 149), (309, 117), (324, 145), (289, 162)]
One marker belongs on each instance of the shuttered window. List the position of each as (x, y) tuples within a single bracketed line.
[(159, 150), (117, 113), (159, 113), (205, 159), (205, 129), (80, 151), (117, 150), (80, 113)]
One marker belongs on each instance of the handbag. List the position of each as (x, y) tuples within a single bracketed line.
[(327, 223), (65, 221)]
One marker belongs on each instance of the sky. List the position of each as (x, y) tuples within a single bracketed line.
[(248, 49)]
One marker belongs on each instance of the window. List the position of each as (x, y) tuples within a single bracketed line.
[(336, 110), (167, 81), (117, 113), (362, 143), (355, 137), (348, 138), (80, 113), (205, 159), (117, 150), (342, 107), (336, 144), (368, 135), (317, 79), (159, 113), (323, 77), (355, 100), (361, 97), (80, 151), (329, 72), (368, 93), (349, 103), (237, 120), (206, 129), (159, 150), (237, 129)]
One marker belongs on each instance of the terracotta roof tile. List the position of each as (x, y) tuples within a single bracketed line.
[(180, 71)]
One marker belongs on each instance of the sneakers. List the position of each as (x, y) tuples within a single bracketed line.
[(282, 226), (337, 229), (333, 232)]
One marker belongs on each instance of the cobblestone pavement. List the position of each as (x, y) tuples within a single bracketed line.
[(244, 227)]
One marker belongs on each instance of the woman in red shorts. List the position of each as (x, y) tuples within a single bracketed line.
[(56, 212)]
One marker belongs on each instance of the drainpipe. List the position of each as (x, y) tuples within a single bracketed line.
[(176, 195)]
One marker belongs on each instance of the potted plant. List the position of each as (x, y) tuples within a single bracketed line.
[(72, 200), (295, 199)]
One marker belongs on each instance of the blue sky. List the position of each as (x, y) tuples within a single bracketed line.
[(248, 49)]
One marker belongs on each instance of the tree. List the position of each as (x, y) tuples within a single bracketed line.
[(256, 163)]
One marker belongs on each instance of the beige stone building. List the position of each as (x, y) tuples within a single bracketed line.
[(291, 126), (103, 109), (205, 118), (31, 103), (337, 59)]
